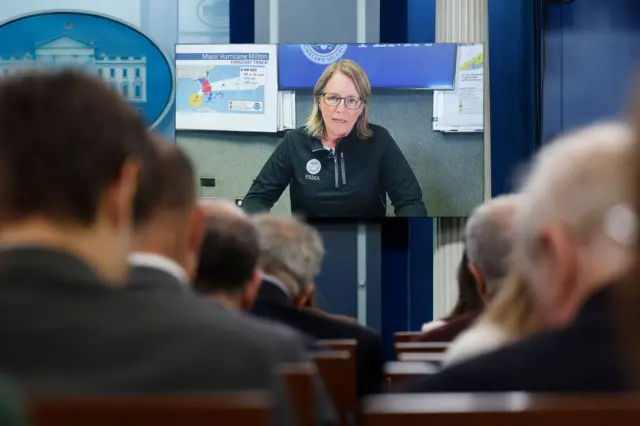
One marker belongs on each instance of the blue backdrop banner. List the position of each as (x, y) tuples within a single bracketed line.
[(388, 66)]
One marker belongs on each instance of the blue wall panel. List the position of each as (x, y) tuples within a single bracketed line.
[(421, 21), (420, 272), (591, 50), (407, 244), (393, 21), (242, 21), (394, 276), (512, 89)]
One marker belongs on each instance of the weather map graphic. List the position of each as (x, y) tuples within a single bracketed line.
[(475, 63), (220, 89), (224, 87)]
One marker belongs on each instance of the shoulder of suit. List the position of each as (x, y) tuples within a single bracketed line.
[(357, 330), (272, 330)]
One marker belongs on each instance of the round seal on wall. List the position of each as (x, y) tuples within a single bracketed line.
[(323, 54)]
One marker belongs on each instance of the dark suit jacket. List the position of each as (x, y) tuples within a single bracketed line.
[(63, 331), (148, 278), (580, 358), (450, 330), (285, 343), (273, 303)]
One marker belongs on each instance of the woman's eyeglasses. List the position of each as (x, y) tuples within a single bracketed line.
[(332, 100)]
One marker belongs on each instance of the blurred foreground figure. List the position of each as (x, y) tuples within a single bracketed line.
[(575, 237), (69, 176)]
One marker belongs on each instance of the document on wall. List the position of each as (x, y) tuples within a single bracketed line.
[(462, 109), (227, 87), (470, 84)]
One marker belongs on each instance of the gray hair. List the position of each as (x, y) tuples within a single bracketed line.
[(489, 238), (574, 182), (287, 245)]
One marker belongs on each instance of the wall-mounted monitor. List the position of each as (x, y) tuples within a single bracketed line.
[(388, 66), (350, 152)]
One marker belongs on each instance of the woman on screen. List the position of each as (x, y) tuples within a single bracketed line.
[(339, 164)]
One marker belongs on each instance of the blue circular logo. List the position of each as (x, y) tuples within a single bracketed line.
[(126, 58), (257, 106), (323, 54)]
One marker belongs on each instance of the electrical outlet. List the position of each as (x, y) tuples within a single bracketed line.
[(208, 182)]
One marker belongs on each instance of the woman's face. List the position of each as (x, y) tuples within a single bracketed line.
[(339, 119)]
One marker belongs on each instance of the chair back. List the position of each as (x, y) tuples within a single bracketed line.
[(435, 347), (430, 357), (298, 378), (338, 373), (398, 372), (193, 410), (506, 409), (405, 336), (348, 345)]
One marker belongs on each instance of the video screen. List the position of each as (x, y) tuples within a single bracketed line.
[(341, 131)]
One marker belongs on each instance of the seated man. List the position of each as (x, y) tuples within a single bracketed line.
[(167, 246), (290, 257), (574, 240), (489, 240), (228, 271), (228, 274)]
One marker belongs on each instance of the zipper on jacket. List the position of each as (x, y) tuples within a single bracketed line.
[(344, 172), (335, 167)]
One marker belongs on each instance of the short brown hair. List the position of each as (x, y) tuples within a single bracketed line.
[(229, 255), (64, 137), (315, 124), (173, 186)]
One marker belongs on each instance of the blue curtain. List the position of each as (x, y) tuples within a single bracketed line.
[(512, 61)]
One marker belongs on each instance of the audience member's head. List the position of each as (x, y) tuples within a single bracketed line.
[(72, 157), (489, 235), (228, 268), (468, 297), (291, 251), (174, 228), (576, 233)]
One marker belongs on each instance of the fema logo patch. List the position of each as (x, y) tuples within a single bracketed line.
[(323, 54), (313, 166)]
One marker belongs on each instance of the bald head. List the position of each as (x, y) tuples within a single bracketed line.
[(489, 236), (219, 209), (566, 247)]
